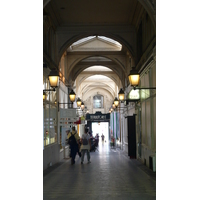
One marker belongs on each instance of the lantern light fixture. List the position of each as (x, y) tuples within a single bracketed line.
[(53, 78), (121, 94), (134, 78), (116, 101), (44, 95), (82, 106), (72, 96), (78, 101)]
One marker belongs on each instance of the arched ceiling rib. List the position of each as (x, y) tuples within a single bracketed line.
[(110, 62), (98, 85), (98, 90), (128, 46), (85, 76), (74, 20)]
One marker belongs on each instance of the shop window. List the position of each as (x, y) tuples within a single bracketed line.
[(50, 124)]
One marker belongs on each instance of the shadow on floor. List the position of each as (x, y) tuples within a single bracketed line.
[(51, 168)]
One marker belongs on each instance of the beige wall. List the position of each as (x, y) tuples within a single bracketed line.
[(148, 115)]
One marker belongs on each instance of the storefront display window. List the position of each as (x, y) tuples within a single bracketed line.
[(49, 116)]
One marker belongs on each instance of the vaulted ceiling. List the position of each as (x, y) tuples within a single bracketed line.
[(98, 12), (73, 20), (119, 20)]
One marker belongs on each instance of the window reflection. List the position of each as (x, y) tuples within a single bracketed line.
[(98, 101), (49, 115)]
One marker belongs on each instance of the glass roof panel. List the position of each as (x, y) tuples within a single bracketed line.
[(97, 68), (83, 40), (110, 40), (97, 78)]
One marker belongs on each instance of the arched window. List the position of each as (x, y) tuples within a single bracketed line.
[(98, 101)]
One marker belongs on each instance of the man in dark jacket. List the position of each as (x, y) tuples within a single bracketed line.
[(73, 144)]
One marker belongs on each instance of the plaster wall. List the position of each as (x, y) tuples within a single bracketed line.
[(88, 100), (51, 154), (148, 116), (64, 153)]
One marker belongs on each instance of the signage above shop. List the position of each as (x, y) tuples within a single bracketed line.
[(134, 94), (98, 116)]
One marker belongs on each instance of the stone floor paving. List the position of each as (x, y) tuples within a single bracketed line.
[(110, 175)]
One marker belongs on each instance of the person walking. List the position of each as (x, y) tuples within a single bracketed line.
[(79, 148), (73, 140), (102, 137), (85, 146)]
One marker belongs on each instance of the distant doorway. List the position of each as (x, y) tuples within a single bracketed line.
[(100, 128)]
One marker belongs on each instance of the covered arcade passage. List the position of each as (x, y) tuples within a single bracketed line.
[(94, 54), (94, 45)]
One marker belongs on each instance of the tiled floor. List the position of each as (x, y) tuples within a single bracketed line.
[(110, 175)]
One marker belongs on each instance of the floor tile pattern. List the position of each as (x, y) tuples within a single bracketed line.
[(110, 175)]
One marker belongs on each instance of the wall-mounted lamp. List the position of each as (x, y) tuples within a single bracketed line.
[(134, 79), (82, 106), (121, 99), (53, 80), (121, 95), (78, 101), (127, 101), (72, 97), (116, 101), (44, 95)]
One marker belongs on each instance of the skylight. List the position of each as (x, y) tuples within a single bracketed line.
[(98, 77), (110, 40), (97, 68), (96, 43), (83, 40)]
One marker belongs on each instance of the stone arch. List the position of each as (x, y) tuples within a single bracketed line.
[(117, 38), (85, 87), (74, 70), (108, 89), (115, 81), (108, 97)]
